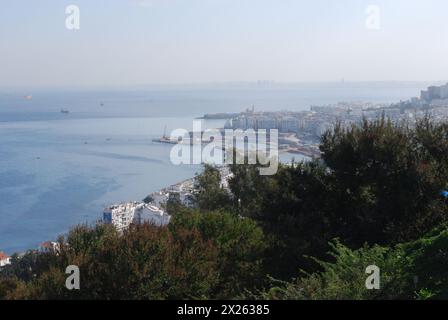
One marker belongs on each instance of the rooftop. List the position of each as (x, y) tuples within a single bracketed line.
[(3, 256)]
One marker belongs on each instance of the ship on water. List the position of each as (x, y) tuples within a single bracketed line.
[(65, 111), (165, 139)]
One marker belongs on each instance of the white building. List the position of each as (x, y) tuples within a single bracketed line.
[(289, 124), (4, 259), (122, 215), (435, 92), (152, 214), (266, 123)]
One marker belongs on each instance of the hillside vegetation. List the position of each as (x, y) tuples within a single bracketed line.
[(308, 232)]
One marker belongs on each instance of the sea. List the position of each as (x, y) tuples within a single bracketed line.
[(61, 169)]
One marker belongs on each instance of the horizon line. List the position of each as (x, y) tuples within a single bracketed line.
[(258, 83)]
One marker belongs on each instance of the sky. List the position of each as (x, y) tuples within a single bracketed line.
[(141, 42)]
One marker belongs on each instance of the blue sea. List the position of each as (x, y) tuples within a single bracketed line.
[(58, 170)]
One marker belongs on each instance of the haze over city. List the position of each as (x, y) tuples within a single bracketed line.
[(137, 42)]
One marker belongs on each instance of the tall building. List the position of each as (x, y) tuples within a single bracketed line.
[(434, 92), (122, 215), (266, 123), (289, 124), (424, 95), (444, 92)]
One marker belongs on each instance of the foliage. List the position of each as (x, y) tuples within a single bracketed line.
[(377, 183), (198, 256), (414, 270), (240, 243), (386, 176), (210, 193)]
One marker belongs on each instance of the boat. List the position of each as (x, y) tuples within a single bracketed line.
[(165, 139), (65, 111)]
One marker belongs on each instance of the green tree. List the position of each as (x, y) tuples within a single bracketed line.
[(240, 244), (378, 183), (210, 194), (386, 176)]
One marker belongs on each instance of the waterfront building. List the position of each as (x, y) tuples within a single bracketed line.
[(289, 124), (151, 214), (266, 123), (251, 123), (122, 215)]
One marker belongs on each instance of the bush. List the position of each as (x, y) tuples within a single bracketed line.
[(414, 270), (210, 255), (240, 244)]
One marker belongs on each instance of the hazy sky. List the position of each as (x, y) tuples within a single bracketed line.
[(135, 42)]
